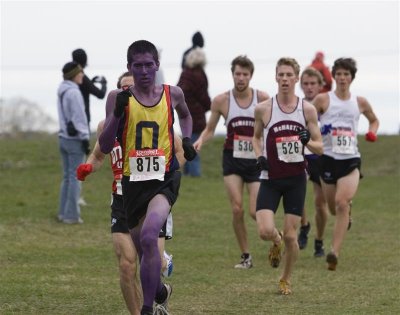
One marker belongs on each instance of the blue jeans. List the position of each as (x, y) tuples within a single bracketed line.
[(193, 168), (72, 155)]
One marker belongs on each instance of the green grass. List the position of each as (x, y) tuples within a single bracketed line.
[(49, 268)]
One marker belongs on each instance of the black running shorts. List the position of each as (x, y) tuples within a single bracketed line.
[(331, 170), (313, 170), (137, 195), (245, 168), (118, 216)]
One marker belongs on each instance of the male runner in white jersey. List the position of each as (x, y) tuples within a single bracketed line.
[(340, 165), (284, 125), (239, 163)]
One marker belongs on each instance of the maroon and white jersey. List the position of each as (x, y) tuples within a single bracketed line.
[(116, 166), (282, 146), (240, 127)]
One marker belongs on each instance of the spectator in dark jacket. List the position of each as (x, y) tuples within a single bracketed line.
[(197, 41), (194, 84), (318, 64), (88, 87)]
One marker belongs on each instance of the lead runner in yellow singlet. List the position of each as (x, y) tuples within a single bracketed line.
[(141, 118)]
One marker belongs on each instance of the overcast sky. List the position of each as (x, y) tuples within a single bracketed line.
[(40, 35)]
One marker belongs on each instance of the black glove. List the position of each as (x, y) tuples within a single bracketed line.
[(99, 79), (85, 146), (304, 136), (120, 103), (96, 79), (262, 163), (188, 149)]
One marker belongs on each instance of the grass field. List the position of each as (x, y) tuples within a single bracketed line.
[(50, 268)]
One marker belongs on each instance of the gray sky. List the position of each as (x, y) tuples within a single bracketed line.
[(40, 35)]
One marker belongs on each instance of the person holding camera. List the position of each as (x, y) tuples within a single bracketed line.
[(73, 140), (88, 86)]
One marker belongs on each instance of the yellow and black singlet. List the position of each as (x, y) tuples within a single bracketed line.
[(148, 139)]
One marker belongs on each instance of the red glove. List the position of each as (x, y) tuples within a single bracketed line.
[(370, 136), (83, 170)]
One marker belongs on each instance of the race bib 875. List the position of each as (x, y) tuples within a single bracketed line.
[(147, 164)]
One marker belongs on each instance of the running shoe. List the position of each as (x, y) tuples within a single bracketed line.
[(246, 263), (284, 287), (162, 308), (82, 202), (170, 265), (319, 248), (303, 235), (332, 261), (275, 253)]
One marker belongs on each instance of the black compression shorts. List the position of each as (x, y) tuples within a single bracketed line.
[(291, 189)]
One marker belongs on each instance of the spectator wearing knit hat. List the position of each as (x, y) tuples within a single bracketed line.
[(194, 84), (88, 87), (73, 140), (197, 41)]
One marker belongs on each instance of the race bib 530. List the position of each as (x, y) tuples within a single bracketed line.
[(243, 147)]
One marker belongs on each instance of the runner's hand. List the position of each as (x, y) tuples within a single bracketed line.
[(304, 136), (83, 170), (262, 163), (371, 137), (121, 102), (188, 149)]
